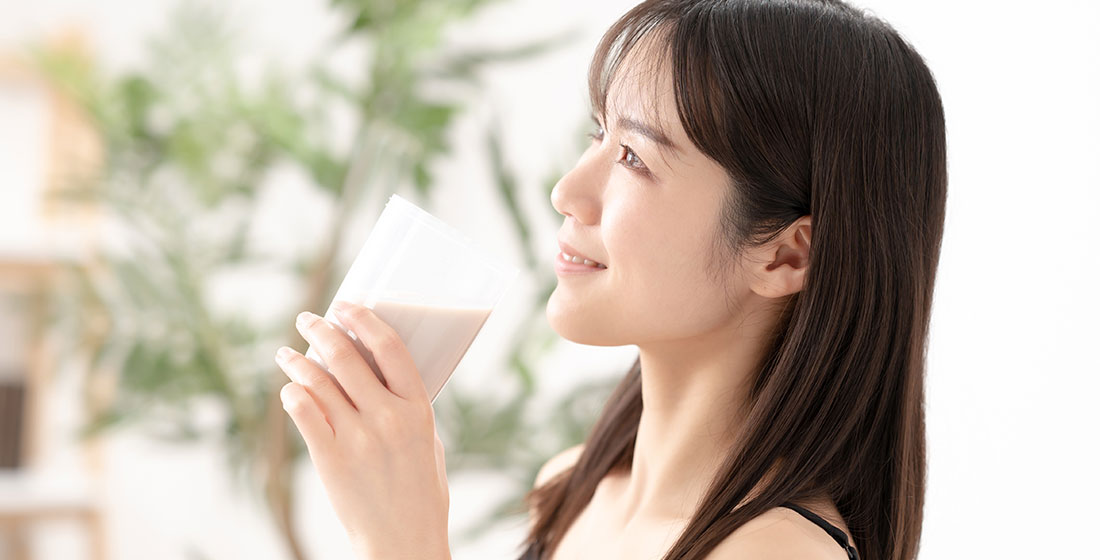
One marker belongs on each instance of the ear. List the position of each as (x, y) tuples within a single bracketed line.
[(779, 267)]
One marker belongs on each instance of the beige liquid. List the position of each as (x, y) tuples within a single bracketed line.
[(437, 337)]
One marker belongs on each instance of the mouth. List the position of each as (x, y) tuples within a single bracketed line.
[(569, 254), (572, 265), (581, 261)]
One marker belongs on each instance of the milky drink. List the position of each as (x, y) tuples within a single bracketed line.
[(427, 281), (437, 337)]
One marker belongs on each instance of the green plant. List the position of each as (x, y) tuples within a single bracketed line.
[(188, 147)]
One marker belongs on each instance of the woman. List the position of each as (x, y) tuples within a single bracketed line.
[(760, 212)]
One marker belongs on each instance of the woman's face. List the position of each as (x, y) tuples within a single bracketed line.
[(645, 202)]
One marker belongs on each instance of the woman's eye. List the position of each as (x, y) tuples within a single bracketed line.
[(627, 157), (631, 159)]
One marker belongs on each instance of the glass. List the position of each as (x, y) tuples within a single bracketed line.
[(427, 281)]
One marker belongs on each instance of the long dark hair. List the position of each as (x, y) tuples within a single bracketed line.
[(814, 108)]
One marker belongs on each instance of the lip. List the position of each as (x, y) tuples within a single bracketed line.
[(564, 267), (572, 251), (569, 268)]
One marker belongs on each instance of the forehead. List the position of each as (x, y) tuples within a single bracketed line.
[(641, 88)]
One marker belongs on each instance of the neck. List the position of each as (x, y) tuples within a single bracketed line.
[(695, 398)]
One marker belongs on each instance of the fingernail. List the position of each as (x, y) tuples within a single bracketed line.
[(283, 355), (288, 400), (341, 306), (305, 319)]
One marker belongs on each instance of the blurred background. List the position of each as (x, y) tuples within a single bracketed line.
[(179, 179)]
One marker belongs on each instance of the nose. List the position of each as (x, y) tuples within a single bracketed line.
[(578, 192)]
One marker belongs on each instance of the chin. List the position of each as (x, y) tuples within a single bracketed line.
[(580, 326)]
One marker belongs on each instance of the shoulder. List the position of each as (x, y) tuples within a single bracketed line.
[(558, 464), (779, 534)]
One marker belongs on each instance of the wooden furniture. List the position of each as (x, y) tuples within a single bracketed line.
[(31, 494), (44, 144)]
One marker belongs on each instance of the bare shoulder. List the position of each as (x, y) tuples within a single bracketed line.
[(553, 467), (557, 464), (779, 534)]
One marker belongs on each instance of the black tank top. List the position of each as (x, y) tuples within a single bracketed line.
[(833, 530), (533, 552)]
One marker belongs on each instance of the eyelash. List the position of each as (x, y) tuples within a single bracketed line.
[(640, 167)]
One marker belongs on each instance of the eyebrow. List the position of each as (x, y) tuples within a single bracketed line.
[(653, 133)]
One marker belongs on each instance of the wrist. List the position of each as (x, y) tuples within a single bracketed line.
[(441, 550)]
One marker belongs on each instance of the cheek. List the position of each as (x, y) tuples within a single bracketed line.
[(662, 287), (661, 248), (656, 286)]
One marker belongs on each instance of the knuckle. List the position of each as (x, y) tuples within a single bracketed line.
[(357, 313), (388, 341), (319, 380), (417, 420), (301, 362), (342, 352), (297, 362), (389, 421), (425, 415), (363, 443)]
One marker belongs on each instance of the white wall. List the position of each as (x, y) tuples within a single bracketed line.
[(1012, 369)]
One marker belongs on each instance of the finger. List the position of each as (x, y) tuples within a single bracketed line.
[(390, 353), (321, 386), (342, 357), (307, 416), (440, 458)]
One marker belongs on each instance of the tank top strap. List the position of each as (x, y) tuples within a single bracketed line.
[(833, 531), (533, 551)]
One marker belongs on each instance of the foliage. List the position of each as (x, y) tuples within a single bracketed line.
[(189, 147)]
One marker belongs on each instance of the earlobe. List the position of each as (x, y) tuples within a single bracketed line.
[(786, 259)]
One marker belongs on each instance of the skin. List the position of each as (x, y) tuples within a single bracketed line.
[(655, 232), (651, 216), (375, 446)]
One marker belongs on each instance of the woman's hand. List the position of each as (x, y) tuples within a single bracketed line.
[(374, 445)]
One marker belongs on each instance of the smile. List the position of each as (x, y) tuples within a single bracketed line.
[(579, 260), (564, 265)]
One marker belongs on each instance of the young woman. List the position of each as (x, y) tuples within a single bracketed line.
[(760, 212)]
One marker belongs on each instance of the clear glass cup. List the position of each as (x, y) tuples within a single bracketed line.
[(427, 281)]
